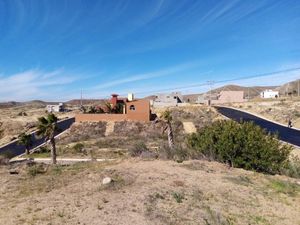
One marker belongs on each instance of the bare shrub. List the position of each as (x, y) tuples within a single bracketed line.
[(138, 149), (292, 167), (4, 160)]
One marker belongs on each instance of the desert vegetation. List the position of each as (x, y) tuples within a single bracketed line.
[(153, 181), (242, 145), (146, 192), (26, 140), (47, 127)]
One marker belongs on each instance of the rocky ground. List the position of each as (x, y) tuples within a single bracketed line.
[(147, 192), (277, 110)]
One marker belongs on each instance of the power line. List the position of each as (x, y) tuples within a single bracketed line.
[(223, 81), (216, 82)]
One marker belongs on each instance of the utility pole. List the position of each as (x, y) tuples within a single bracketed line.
[(248, 93), (81, 98), (210, 83), (298, 87)]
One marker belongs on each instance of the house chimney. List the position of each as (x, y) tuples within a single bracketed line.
[(130, 97), (114, 99)]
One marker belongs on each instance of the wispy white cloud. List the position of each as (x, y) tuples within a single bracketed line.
[(148, 75), (33, 84), (202, 85)]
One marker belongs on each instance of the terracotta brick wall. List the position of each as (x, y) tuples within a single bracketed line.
[(99, 117), (141, 112)]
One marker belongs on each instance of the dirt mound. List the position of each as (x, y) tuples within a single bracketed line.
[(83, 131)]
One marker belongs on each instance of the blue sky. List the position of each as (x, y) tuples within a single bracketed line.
[(51, 49)]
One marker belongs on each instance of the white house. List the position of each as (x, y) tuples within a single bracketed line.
[(55, 108), (269, 94)]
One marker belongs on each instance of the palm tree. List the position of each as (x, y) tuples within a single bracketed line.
[(47, 126), (26, 140), (166, 119), (108, 107)]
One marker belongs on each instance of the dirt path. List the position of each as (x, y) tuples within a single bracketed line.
[(109, 128), (189, 127)]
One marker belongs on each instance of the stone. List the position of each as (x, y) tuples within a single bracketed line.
[(106, 180), (13, 171)]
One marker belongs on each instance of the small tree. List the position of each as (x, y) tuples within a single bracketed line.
[(26, 140), (166, 119), (108, 107), (47, 126)]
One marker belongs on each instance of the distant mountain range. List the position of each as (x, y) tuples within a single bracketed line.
[(35, 103), (254, 91)]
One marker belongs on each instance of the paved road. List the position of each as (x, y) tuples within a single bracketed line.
[(13, 149), (285, 134)]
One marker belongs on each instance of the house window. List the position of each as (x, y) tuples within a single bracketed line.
[(132, 107), (175, 97)]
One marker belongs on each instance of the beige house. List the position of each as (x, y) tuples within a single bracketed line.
[(222, 97), (230, 97)]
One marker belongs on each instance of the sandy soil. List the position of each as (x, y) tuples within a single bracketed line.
[(148, 192), (189, 127), (276, 110)]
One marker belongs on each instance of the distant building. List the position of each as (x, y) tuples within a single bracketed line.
[(222, 97), (170, 99), (269, 94), (205, 98), (231, 97), (55, 108)]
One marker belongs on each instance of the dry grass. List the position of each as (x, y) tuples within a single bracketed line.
[(148, 192)]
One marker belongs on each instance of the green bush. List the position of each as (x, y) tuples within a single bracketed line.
[(43, 149), (36, 169), (242, 145), (78, 147)]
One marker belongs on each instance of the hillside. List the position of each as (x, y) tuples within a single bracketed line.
[(289, 88), (33, 103), (251, 91), (77, 102), (148, 192), (279, 111)]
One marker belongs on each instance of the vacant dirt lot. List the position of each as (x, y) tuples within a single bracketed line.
[(148, 192), (279, 110)]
